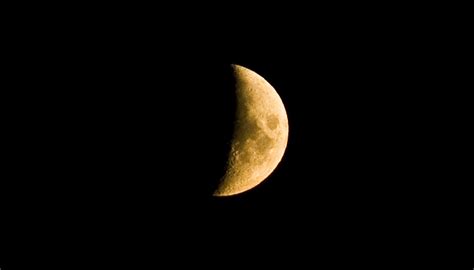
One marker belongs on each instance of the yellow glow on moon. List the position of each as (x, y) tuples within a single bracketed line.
[(260, 134)]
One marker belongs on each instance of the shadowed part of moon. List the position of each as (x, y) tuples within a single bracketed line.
[(260, 134)]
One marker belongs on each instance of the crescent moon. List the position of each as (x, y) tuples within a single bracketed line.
[(260, 134)]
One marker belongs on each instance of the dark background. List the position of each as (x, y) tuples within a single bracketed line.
[(118, 129)]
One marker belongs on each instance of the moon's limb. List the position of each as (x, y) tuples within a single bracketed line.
[(260, 135)]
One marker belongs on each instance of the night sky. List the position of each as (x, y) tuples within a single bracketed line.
[(115, 141)]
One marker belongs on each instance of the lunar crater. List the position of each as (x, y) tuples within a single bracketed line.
[(272, 121)]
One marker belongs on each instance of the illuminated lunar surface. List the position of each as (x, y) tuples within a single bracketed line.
[(260, 134)]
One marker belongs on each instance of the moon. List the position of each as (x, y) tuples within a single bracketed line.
[(260, 134)]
